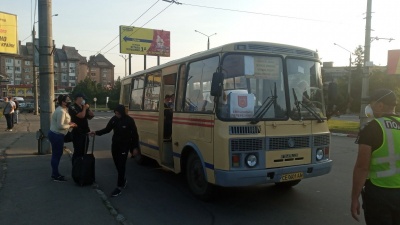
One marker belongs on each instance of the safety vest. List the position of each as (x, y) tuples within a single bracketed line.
[(385, 161)]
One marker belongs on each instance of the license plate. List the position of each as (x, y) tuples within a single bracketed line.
[(292, 176)]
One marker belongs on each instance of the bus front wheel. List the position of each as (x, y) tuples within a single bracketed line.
[(196, 178)]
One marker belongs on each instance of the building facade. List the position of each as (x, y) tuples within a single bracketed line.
[(16, 71), (101, 70)]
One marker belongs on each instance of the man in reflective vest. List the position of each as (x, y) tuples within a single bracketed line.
[(376, 175)]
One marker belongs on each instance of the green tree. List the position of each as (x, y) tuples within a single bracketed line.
[(114, 94), (87, 87), (356, 80)]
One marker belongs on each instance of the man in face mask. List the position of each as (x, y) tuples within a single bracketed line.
[(376, 175), (80, 114)]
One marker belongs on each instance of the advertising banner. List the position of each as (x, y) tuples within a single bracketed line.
[(393, 65), (8, 33), (142, 41)]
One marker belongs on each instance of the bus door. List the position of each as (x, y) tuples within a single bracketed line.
[(166, 127)]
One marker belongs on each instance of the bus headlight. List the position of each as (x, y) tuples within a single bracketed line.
[(251, 160), (320, 154)]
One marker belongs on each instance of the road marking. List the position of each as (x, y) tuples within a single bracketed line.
[(102, 117)]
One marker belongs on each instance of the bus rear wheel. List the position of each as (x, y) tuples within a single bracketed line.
[(287, 184), (197, 180)]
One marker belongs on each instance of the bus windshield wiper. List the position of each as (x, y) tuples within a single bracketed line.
[(265, 107), (312, 111)]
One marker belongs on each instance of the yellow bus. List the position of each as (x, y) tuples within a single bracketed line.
[(241, 114)]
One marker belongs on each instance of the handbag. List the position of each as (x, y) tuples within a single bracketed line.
[(68, 137)]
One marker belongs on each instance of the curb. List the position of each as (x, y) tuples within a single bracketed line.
[(118, 217), (344, 135), (102, 111)]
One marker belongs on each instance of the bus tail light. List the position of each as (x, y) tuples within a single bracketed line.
[(235, 160)]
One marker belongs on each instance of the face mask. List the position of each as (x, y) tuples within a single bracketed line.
[(68, 104), (83, 102), (368, 111)]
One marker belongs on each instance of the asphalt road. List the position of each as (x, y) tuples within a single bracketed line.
[(155, 196)]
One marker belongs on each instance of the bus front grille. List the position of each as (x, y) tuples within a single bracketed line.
[(244, 129), (288, 142), (320, 140), (247, 144)]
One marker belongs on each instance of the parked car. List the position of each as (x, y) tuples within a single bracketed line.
[(29, 107)]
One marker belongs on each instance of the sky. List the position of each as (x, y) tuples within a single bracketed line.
[(92, 26)]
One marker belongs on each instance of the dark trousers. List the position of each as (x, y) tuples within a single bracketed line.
[(15, 116), (57, 147), (9, 119), (119, 153), (381, 205), (80, 141)]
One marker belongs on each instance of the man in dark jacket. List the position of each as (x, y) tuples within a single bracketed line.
[(124, 138), (80, 114)]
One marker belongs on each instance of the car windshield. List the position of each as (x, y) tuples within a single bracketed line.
[(255, 89)]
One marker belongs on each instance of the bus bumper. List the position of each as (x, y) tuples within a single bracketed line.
[(254, 177)]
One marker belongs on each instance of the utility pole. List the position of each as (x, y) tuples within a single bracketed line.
[(35, 83), (46, 71), (365, 79), (130, 64)]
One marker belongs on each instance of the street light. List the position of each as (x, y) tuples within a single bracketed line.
[(349, 83), (51, 15), (208, 37), (125, 58)]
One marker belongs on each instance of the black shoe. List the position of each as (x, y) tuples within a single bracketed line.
[(58, 178), (116, 192)]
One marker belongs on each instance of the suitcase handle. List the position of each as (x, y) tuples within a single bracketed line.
[(87, 142)]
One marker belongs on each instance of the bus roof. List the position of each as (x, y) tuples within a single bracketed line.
[(252, 46)]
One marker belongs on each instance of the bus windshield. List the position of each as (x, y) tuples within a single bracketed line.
[(254, 88), (305, 89)]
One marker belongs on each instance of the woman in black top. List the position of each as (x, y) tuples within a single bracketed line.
[(125, 137)]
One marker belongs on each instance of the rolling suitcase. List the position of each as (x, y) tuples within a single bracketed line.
[(83, 168)]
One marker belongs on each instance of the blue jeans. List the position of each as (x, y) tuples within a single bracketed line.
[(57, 146)]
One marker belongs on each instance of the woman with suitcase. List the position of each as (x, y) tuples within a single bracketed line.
[(124, 138)]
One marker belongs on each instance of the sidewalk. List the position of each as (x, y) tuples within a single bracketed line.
[(29, 196)]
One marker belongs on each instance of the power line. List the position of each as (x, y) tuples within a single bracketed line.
[(26, 38), (249, 12), (130, 25), (141, 26)]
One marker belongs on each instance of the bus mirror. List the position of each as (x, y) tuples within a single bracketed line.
[(216, 85)]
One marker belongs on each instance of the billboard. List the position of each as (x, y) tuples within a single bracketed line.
[(142, 41), (8, 33), (393, 65)]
